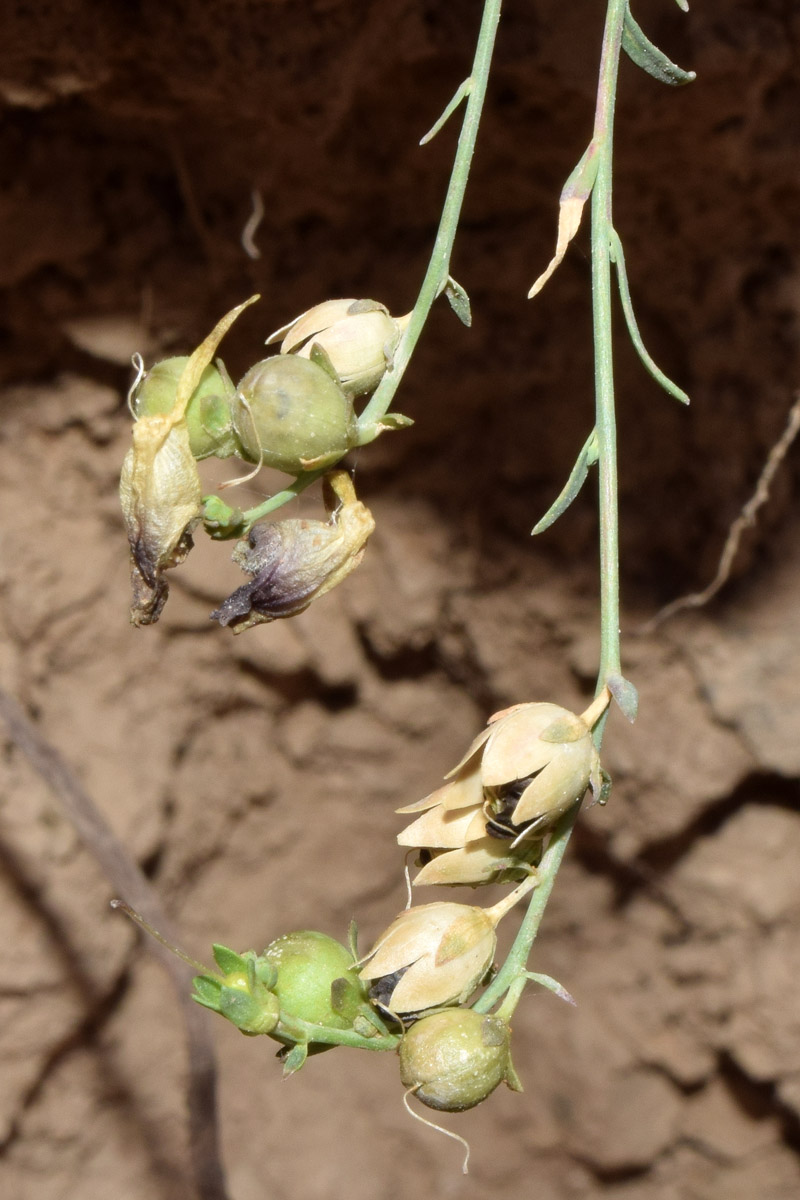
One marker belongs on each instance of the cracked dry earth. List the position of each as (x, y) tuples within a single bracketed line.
[(255, 778)]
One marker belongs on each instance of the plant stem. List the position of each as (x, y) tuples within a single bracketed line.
[(251, 515), (439, 266), (438, 272), (602, 229)]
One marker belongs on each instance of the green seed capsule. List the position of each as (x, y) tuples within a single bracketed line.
[(208, 414), (316, 980), (455, 1058), (289, 413)]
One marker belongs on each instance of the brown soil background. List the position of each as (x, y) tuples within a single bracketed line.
[(255, 778)]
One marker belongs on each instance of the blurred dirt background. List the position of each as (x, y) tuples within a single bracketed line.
[(255, 778)]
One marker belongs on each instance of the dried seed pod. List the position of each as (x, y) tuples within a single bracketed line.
[(293, 562), (435, 954), (439, 953), (452, 1060), (526, 769), (290, 414), (358, 337)]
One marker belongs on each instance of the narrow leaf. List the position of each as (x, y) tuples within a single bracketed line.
[(574, 194), (667, 384), (683, 5), (586, 459), (552, 985), (462, 92), (625, 694), (641, 50), (459, 301)]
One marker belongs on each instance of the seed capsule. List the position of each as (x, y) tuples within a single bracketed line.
[(454, 1059), (290, 414), (208, 413), (437, 954), (316, 979), (159, 487)]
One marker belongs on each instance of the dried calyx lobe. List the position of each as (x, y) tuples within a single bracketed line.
[(272, 559), (295, 561)]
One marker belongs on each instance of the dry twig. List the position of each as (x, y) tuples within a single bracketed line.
[(745, 520), (126, 879)]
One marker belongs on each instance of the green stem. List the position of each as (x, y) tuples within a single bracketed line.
[(438, 272), (295, 1030), (439, 266), (251, 515), (602, 229)]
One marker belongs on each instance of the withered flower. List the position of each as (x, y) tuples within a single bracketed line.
[(294, 562), (526, 769), (160, 488), (435, 954), (358, 337)]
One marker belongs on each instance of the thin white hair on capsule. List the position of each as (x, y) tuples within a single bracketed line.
[(137, 362), (250, 474), (527, 832), (439, 1128)]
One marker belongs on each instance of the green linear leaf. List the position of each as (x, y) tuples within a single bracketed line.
[(618, 258), (458, 300), (641, 50), (683, 5), (462, 91), (577, 478)]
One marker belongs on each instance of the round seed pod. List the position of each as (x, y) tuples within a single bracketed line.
[(289, 413), (208, 414), (455, 1058), (316, 980)]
